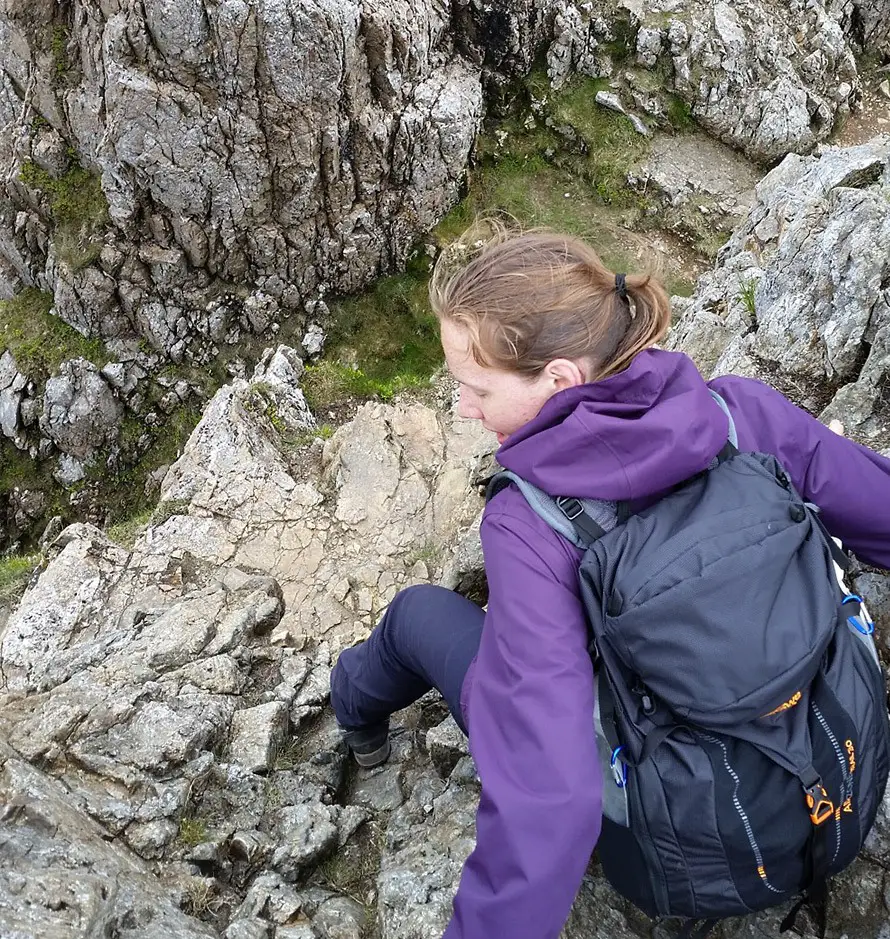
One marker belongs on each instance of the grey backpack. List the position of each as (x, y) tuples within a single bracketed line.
[(741, 713)]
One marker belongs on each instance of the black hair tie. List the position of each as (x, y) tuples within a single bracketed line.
[(621, 285)]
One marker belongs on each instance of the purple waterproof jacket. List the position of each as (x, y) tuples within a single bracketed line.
[(528, 697)]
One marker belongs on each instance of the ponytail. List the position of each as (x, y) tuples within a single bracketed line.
[(526, 299)]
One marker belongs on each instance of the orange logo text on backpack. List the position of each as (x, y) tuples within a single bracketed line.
[(794, 699), (851, 755)]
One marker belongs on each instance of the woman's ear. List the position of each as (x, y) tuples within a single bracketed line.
[(565, 373)]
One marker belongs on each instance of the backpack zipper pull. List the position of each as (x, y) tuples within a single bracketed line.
[(645, 697)]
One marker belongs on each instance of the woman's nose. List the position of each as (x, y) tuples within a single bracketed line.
[(466, 409)]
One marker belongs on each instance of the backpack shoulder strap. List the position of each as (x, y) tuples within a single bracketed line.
[(732, 436), (580, 521), (583, 521)]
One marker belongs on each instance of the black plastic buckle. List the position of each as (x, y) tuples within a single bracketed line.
[(570, 507)]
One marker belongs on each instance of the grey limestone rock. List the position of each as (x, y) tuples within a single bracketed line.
[(293, 147), (766, 77), (81, 413), (446, 744), (257, 734), (797, 292), (380, 789), (866, 22), (60, 878)]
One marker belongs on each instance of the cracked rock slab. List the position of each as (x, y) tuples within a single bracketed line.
[(61, 879)]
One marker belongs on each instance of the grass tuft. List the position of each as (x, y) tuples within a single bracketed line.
[(192, 831), (127, 531), (78, 207), (680, 114), (747, 293), (15, 571), (40, 341)]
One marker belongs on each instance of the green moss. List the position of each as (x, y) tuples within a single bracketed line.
[(172, 436), (40, 341), (680, 287), (168, 509), (15, 571), (613, 146), (296, 441), (544, 179), (79, 210), (126, 532), (679, 114), (542, 194), (388, 332), (330, 382), (126, 498), (379, 342), (131, 431), (18, 469), (621, 47), (59, 51), (192, 831), (261, 403)]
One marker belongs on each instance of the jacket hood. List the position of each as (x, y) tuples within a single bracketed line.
[(627, 437)]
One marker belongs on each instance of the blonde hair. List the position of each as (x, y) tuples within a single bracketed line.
[(526, 299)]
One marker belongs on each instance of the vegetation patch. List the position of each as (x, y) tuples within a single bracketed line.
[(59, 51), (379, 343), (567, 170), (747, 293), (329, 382), (612, 145), (192, 831), (126, 532), (17, 469), (15, 572), (680, 114), (128, 504), (39, 340), (78, 206), (201, 898), (353, 870), (620, 47)]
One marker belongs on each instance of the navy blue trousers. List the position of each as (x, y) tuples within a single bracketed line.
[(426, 639)]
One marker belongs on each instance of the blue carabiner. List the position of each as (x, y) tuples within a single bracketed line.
[(861, 622), (619, 770)]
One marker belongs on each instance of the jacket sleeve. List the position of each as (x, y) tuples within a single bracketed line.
[(849, 482), (532, 738)]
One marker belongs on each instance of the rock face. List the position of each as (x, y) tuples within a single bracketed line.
[(799, 293), (764, 76), (60, 877), (81, 412), (156, 154), (176, 693), (866, 22), (295, 146)]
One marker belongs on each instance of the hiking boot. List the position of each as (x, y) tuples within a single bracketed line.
[(369, 745)]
